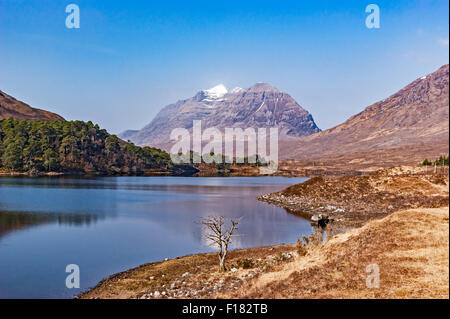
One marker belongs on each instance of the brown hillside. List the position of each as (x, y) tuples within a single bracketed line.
[(415, 117), (410, 249), (10, 107)]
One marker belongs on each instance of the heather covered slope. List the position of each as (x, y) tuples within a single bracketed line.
[(416, 115), (352, 200), (409, 248), (12, 108)]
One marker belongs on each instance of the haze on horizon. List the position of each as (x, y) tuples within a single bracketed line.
[(129, 59)]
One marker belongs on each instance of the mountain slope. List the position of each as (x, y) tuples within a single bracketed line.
[(261, 105), (416, 115), (12, 108)]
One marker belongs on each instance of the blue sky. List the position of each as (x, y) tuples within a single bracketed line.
[(131, 58)]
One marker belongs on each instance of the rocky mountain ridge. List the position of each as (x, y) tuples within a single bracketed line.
[(261, 105)]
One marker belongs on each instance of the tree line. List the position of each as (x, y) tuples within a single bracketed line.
[(73, 147), (441, 161)]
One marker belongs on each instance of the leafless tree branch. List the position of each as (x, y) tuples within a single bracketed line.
[(217, 236)]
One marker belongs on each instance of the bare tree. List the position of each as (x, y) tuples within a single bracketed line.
[(218, 236)]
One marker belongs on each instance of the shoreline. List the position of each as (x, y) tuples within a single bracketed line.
[(404, 189), (6, 173), (59, 174), (162, 174), (161, 275), (280, 272), (350, 201)]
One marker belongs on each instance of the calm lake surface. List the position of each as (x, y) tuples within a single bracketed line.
[(107, 225)]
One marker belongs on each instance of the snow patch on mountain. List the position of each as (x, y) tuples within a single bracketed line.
[(216, 92)]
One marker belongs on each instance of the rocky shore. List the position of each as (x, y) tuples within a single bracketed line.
[(352, 200), (193, 276)]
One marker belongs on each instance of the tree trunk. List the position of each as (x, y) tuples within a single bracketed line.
[(222, 256), (222, 264)]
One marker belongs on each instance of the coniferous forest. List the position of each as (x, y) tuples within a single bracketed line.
[(74, 147)]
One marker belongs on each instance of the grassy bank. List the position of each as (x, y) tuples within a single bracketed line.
[(352, 200), (410, 248), (193, 276)]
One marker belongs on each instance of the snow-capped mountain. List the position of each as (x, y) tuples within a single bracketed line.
[(261, 105)]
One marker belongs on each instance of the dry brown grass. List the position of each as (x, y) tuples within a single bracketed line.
[(203, 275), (411, 248), (353, 200)]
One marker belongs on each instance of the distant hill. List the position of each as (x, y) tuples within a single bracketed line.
[(126, 135), (12, 108), (409, 125), (261, 105)]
